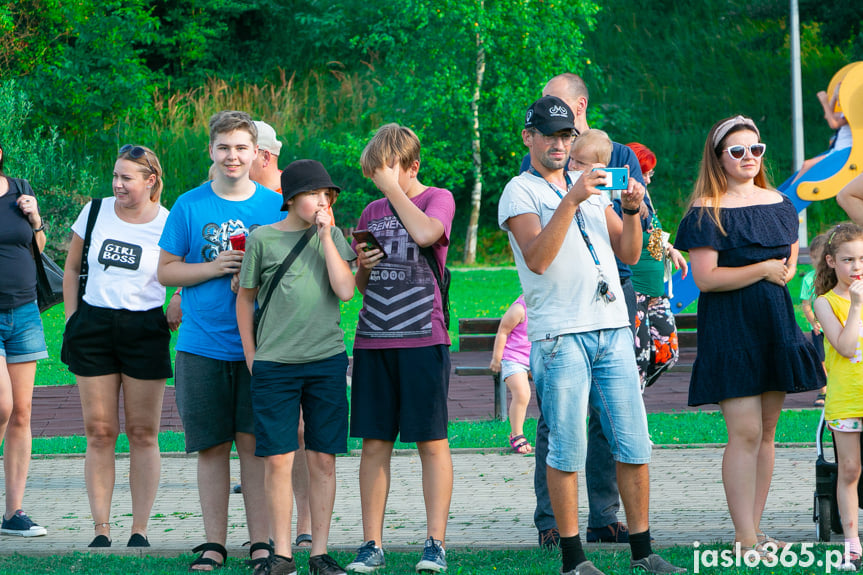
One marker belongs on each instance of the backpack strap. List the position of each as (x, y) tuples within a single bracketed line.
[(95, 204)]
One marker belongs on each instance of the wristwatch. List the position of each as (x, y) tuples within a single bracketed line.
[(629, 212)]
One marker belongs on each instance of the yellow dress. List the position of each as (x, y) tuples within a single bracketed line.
[(844, 374)]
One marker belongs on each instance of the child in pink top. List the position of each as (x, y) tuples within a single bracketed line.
[(511, 358)]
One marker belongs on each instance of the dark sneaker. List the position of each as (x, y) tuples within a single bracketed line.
[(434, 557), (324, 565), (613, 533), (584, 568), (281, 565), (549, 539), (369, 557), (653, 563), (21, 525)]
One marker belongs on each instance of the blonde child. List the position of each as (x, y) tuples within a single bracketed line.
[(511, 359), (591, 147), (807, 296), (838, 309)]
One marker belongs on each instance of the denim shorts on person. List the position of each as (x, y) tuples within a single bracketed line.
[(278, 390), (596, 367), (21, 335), (213, 398), (400, 392), (508, 368)]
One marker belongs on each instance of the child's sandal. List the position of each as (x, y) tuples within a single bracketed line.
[(520, 444)]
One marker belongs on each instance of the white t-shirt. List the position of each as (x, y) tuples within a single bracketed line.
[(844, 139), (563, 299), (123, 258)]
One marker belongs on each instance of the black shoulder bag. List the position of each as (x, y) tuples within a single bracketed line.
[(442, 281), (49, 276), (277, 277)]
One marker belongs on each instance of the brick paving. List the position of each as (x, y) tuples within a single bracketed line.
[(57, 409)]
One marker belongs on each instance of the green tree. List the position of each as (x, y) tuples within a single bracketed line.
[(463, 73)]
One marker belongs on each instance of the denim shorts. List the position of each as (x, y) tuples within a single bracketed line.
[(508, 368), (598, 367), (21, 335), (278, 390)]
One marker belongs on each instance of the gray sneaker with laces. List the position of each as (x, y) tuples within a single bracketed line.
[(434, 557), (369, 557), (653, 563), (584, 568)]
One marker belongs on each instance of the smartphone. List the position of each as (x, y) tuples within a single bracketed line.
[(370, 240), (615, 178)]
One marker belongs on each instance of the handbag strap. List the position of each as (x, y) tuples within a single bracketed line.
[(427, 252), (95, 204), (34, 247), (277, 277)]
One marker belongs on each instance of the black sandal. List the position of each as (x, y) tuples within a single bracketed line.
[(201, 560), (260, 561)]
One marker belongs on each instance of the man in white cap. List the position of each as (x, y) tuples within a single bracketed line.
[(265, 168)]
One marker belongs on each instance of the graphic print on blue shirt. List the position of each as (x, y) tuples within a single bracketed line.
[(217, 237), (400, 294)]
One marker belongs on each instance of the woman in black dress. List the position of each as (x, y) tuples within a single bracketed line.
[(742, 240)]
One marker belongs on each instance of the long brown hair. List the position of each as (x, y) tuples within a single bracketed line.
[(825, 276), (712, 182)]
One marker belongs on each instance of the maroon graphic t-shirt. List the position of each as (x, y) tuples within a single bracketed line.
[(402, 303)]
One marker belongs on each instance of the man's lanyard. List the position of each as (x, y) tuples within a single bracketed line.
[(579, 217)]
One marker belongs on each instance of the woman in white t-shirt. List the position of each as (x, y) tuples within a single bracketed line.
[(117, 336)]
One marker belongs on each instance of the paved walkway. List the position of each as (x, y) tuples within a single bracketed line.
[(492, 504)]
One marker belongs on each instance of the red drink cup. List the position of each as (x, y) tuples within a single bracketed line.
[(238, 242)]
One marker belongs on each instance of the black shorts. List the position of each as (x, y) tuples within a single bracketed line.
[(400, 392), (818, 342), (278, 389), (101, 341)]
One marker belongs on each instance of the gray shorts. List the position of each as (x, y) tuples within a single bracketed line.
[(214, 400)]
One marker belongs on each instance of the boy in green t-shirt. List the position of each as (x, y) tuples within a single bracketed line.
[(299, 358), (807, 295)]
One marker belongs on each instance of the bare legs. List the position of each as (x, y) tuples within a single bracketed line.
[(634, 482), (747, 465), (300, 476), (375, 485), (143, 408), (16, 396), (214, 478), (848, 448), (519, 387), (850, 199)]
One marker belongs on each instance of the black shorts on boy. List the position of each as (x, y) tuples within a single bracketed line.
[(400, 392), (278, 390)]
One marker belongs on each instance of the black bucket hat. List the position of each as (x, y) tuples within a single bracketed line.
[(304, 176)]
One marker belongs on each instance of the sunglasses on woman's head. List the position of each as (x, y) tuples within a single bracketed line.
[(739, 151), (136, 152)]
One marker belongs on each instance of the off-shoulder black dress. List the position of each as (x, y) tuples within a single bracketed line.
[(748, 339)]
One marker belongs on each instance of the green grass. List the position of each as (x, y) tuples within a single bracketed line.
[(677, 428), (460, 561)]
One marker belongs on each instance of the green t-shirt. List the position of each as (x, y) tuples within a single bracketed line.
[(301, 322), (648, 275), (807, 287)]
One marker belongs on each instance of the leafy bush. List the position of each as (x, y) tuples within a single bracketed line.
[(59, 178)]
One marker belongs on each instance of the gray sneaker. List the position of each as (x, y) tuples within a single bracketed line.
[(584, 568), (369, 557), (281, 565), (653, 563), (434, 557)]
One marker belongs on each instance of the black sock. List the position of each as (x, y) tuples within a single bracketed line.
[(639, 543), (571, 552)]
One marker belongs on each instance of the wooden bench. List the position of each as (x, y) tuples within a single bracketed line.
[(477, 334)]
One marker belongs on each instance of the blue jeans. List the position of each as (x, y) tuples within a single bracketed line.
[(600, 469)]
